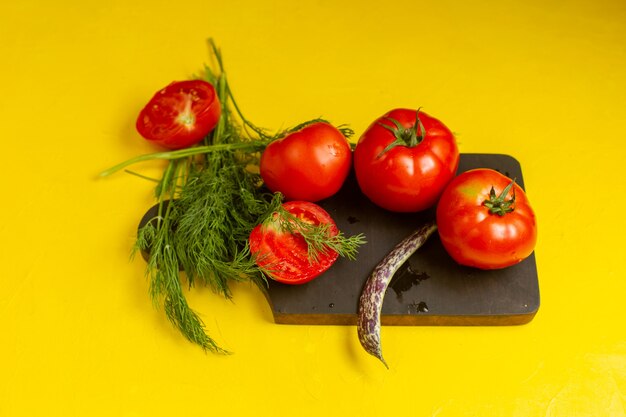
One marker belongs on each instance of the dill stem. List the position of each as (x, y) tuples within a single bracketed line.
[(221, 93), (253, 145), (229, 93)]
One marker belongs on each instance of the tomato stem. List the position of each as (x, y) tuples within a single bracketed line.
[(409, 137), (417, 137), (499, 204)]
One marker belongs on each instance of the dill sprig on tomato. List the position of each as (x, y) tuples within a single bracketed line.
[(318, 237), (209, 199)]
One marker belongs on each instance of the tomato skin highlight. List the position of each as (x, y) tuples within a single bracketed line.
[(405, 179), (310, 164), (180, 115), (286, 254), (472, 235)]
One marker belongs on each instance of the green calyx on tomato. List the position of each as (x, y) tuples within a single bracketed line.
[(410, 136), (499, 204)]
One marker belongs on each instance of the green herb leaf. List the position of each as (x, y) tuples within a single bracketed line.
[(317, 237)]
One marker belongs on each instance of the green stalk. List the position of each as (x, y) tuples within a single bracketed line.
[(409, 137), (251, 146), (229, 93), (499, 204)]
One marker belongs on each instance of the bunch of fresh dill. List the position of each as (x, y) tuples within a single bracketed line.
[(210, 198)]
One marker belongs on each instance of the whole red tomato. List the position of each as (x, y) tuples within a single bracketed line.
[(485, 220), (403, 162), (286, 254), (180, 115), (309, 164)]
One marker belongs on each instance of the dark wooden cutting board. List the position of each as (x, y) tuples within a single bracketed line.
[(431, 289)]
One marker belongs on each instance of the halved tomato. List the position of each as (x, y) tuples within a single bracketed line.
[(284, 254), (180, 115)]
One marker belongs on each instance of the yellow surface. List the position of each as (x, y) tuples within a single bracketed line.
[(543, 81)]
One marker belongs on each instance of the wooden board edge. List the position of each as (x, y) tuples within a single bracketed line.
[(405, 320)]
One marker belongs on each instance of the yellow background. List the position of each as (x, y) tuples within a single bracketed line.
[(542, 81)]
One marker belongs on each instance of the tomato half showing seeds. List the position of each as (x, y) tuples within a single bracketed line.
[(309, 164), (485, 220), (286, 254), (403, 162), (180, 115)]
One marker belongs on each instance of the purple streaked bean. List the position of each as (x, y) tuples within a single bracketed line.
[(371, 300)]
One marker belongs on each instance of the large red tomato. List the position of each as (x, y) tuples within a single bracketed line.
[(309, 164), (285, 254), (485, 220), (180, 115), (403, 163)]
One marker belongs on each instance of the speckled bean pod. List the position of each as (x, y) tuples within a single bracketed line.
[(371, 300)]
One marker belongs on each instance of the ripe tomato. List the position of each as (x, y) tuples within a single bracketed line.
[(180, 115), (286, 254), (485, 220), (309, 164), (403, 163)]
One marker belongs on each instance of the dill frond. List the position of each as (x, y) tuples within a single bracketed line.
[(209, 200), (318, 237)]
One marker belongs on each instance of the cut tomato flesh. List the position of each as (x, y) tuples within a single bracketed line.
[(285, 255)]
